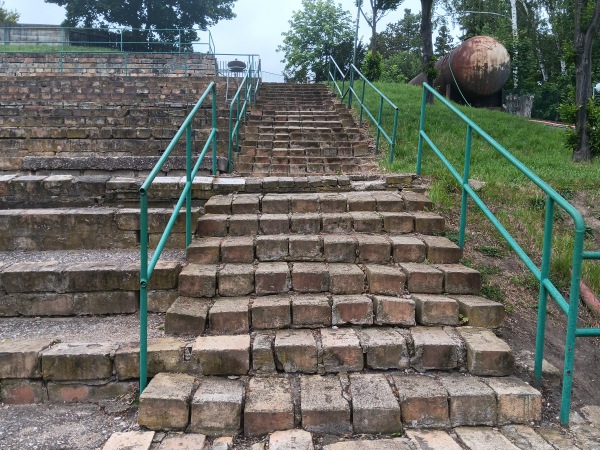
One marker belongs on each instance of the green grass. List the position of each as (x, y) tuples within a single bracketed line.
[(514, 199)]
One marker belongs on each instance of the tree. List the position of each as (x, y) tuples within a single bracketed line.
[(587, 20), (402, 36), (148, 15), (8, 16), (379, 9), (426, 32), (444, 42), (320, 29)]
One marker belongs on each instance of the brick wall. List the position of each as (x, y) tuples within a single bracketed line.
[(102, 64)]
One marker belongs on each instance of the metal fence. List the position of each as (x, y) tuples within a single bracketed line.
[(51, 38)]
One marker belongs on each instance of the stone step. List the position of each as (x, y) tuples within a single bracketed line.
[(68, 283), (75, 182), (332, 248), (326, 203), (219, 225), (308, 167), (44, 368), (360, 403), (231, 315), (283, 153), (61, 229), (264, 278)]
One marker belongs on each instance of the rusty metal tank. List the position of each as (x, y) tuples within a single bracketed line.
[(476, 70)]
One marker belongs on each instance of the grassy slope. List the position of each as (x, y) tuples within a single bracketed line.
[(512, 197)]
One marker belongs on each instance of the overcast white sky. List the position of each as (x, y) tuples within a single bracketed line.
[(256, 29)]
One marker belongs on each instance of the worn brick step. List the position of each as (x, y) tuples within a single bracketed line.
[(323, 167), (231, 315), (283, 150), (333, 248), (34, 370), (216, 225), (327, 203), (264, 278), (79, 282), (282, 153), (362, 403), (53, 229)]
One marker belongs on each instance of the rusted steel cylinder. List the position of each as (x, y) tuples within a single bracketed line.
[(477, 69), (480, 66)]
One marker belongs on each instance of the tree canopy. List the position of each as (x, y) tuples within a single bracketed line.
[(149, 15), (316, 31), (8, 16)]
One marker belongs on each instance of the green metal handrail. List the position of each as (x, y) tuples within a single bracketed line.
[(147, 268), (250, 85), (542, 273), (332, 77)]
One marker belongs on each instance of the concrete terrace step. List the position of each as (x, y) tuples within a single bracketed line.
[(332, 248), (104, 181), (85, 228), (360, 403), (81, 282), (233, 280), (231, 315)]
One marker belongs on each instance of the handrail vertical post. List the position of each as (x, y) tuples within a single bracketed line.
[(421, 129), (121, 30), (465, 183), (543, 294), (188, 181), (143, 289), (230, 143), (378, 125), (214, 127), (565, 407), (351, 87), (394, 132), (362, 102)]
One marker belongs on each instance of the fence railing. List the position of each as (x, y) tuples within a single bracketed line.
[(52, 39), (238, 108), (147, 267), (348, 88), (570, 307)]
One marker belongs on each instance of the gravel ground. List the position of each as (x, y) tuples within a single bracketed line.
[(120, 328), (54, 426)]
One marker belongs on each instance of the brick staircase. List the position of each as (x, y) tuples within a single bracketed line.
[(308, 299), (337, 312), (299, 130)]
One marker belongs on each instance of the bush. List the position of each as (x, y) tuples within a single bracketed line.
[(568, 114), (371, 66), (401, 67)]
